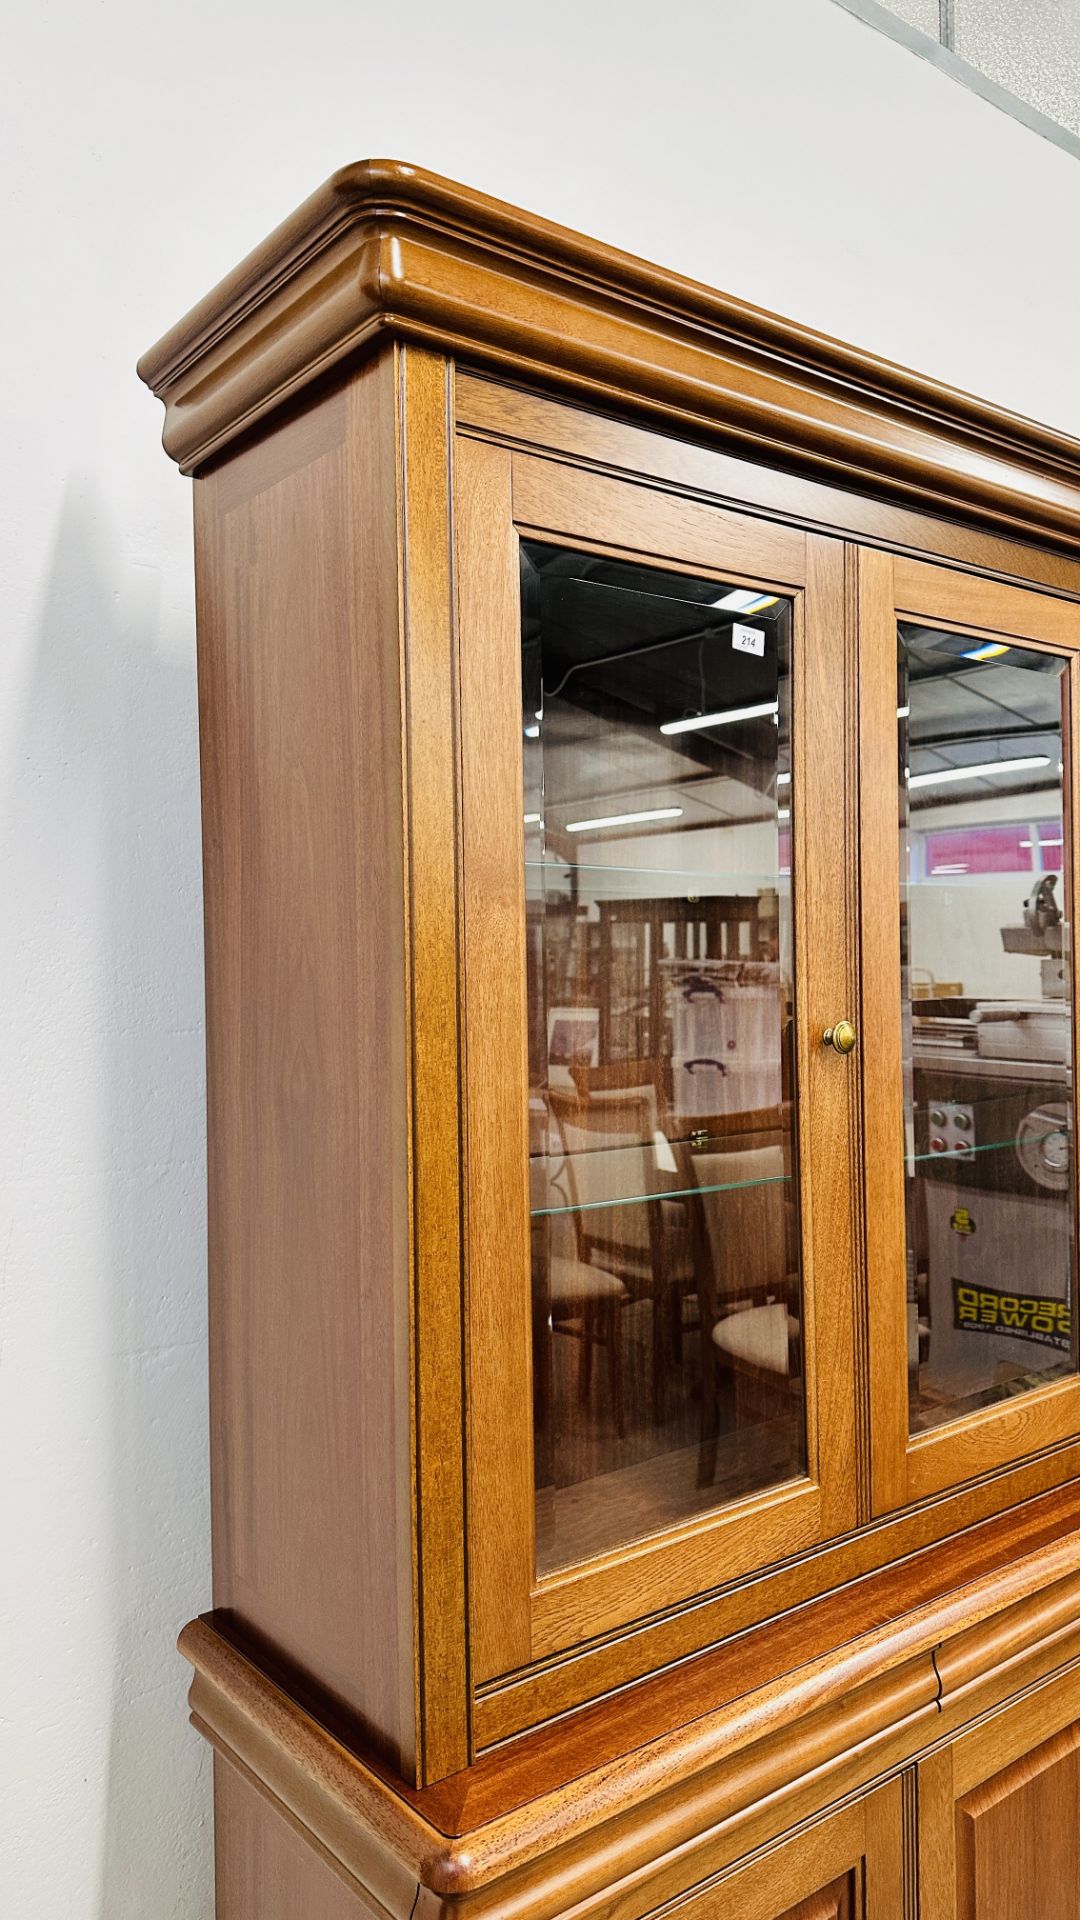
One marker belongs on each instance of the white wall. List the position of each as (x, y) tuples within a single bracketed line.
[(778, 148)]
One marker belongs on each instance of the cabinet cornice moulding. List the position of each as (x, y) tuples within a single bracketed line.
[(483, 1836), (388, 250)]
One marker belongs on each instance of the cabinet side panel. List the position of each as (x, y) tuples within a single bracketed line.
[(265, 1871), (299, 644)]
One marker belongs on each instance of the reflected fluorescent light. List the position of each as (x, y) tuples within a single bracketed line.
[(988, 651), (532, 733), (742, 600), (903, 713), (534, 819), (981, 772), (783, 779), (950, 867), (624, 819), (783, 813), (699, 720)]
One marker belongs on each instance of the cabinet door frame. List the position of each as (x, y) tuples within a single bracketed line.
[(865, 1844), (1002, 1742), (500, 496), (907, 1468)]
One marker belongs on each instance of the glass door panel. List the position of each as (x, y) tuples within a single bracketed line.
[(968, 687), (666, 1287), (987, 1010)]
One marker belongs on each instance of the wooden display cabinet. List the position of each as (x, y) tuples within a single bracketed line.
[(639, 743)]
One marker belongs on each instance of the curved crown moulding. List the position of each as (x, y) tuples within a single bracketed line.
[(388, 251)]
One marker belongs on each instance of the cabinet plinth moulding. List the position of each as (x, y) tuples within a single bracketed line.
[(644, 1458)]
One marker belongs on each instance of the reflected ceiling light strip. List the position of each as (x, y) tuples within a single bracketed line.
[(624, 819), (783, 779), (743, 601), (981, 772), (534, 819), (903, 713), (698, 720), (989, 650)]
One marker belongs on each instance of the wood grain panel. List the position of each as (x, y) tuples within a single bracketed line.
[(557, 501), (435, 1146), (834, 1902), (502, 1535), (306, 1046), (385, 247), (825, 879), (882, 1049), (267, 1870), (907, 1538), (908, 1469), (952, 599), (937, 1837), (1018, 1838), (670, 1566), (537, 421)]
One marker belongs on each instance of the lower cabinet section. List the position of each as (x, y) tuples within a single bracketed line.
[(265, 1870), (1000, 1815), (968, 1811), (849, 1866)]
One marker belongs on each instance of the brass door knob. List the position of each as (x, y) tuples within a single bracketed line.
[(841, 1037)]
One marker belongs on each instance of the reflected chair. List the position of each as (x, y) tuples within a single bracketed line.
[(570, 1295), (619, 1164), (748, 1286)]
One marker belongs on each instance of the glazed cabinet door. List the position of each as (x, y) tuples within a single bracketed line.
[(999, 1816), (969, 689), (655, 710)]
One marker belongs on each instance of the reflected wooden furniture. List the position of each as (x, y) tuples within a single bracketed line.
[(748, 1312), (608, 1124), (851, 1691)]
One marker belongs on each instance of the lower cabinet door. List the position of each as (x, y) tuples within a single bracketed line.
[(999, 1816), (849, 1866)]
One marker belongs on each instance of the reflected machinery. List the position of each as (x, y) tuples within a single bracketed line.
[(990, 1157)]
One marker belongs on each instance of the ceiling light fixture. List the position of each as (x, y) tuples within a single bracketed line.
[(743, 601), (699, 720), (623, 819), (981, 772), (989, 650)]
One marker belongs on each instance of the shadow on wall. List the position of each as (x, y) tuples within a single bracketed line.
[(105, 876)]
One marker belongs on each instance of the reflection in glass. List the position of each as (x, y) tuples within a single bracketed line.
[(987, 996), (666, 1291)]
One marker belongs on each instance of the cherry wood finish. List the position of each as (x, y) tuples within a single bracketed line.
[(729, 1717), (1018, 1840), (517, 1618), (302, 804), (332, 1007), (999, 1812), (267, 1867), (909, 1468), (661, 1782), (387, 248)]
